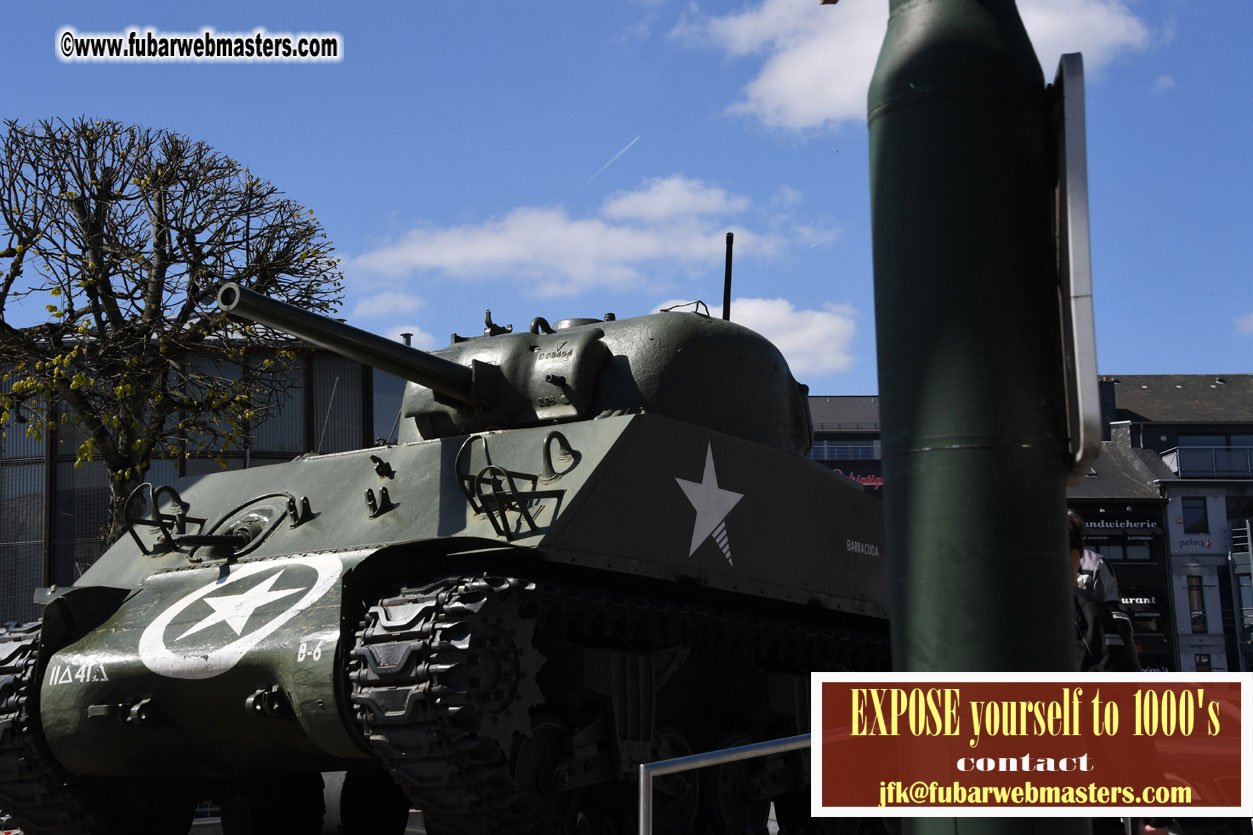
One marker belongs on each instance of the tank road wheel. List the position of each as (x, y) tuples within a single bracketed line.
[(613, 807), (675, 796), (724, 802), (548, 744), (291, 804)]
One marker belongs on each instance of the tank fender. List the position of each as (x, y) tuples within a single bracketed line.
[(413, 562), (73, 611)]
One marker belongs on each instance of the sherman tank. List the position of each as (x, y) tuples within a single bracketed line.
[(596, 543)]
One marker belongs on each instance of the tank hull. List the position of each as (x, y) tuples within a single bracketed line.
[(571, 599), (237, 663), (621, 501)]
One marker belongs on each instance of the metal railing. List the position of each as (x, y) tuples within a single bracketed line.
[(1241, 534), (835, 425), (694, 761), (1210, 461), (845, 450)]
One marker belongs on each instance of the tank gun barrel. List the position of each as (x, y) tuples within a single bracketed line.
[(445, 377)]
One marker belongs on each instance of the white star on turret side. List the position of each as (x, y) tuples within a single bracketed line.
[(712, 505), (235, 609)]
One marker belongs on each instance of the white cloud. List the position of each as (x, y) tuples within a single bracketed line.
[(1100, 29), (388, 303), (819, 59), (1167, 29), (813, 236), (667, 224), (666, 198), (1164, 83), (786, 197), (642, 29), (812, 341), (420, 338), (1244, 324)]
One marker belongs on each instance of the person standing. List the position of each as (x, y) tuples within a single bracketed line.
[(1105, 637), (1105, 643)]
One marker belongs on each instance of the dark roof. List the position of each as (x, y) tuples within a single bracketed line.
[(1182, 398), (1121, 471), (847, 413)]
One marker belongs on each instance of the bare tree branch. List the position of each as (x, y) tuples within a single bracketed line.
[(120, 232)]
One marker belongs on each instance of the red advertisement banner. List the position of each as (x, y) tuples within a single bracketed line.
[(899, 744)]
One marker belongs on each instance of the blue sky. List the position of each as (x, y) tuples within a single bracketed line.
[(575, 158)]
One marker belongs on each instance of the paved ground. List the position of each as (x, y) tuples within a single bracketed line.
[(211, 826)]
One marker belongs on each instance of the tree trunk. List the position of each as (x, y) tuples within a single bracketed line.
[(119, 491)]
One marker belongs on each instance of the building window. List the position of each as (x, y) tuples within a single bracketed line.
[(1119, 551), (1246, 600), (1202, 663), (1195, 518), (1108, 550), (388, 396), (1202, 440), (1196, 603)]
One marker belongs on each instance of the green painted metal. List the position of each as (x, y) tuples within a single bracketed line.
[(166, 675), (687, 366), (966, 307), (966, 311), (669, 452)]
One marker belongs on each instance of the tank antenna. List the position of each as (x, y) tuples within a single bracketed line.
[(325, 421), (726, 281)]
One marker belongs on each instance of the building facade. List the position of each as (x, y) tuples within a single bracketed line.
[(1124, 517), (1169, 503), (1201, 428), (52, 512), (846, 438)]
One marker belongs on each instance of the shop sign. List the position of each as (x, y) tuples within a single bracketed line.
[(871, 480), (1131, 524), (867, 474), (1198, 544)]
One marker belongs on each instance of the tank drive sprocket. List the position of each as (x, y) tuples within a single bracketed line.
[(40, 795), (442, 676)]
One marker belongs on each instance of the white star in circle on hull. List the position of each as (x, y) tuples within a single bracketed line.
[(235, 609), (712, 505)]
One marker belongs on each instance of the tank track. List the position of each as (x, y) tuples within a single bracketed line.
[(416, 677), (41, 797), (413, 675)]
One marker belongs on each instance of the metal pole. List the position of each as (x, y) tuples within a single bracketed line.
[(969, 352), (444, 376), (694, 761), (49, 502), (726, 280)]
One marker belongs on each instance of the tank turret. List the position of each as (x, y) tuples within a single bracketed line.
[(684, 365)]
